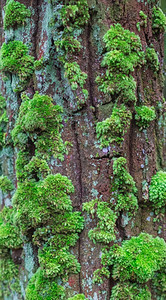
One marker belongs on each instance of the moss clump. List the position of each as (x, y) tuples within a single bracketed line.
[(71, 18), (9, 234), (14, 59), (15, 14), (131, 291), (78, 297), (134, 263), (152, 59), (3, 120), (158, 19), (123, 198), (143, 21), (138, 258), (159, 283), (9, 277), (123, 55), (157, 190), (39, 122), (144, 116), (123, 188), (40, 287), (114, 128), (5, 184), (104, 232)]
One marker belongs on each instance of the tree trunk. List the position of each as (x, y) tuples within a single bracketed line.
[(88, 165)]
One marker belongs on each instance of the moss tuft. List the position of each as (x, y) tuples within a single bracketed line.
[(16, 14), (157, 190), (14, 59), (144, 116), (5, 184)]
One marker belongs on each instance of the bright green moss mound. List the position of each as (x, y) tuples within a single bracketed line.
[(131, 291), (124, 53), (157, 190), (144, 116), (138, 258), (14, 59), (158, 19), (40, 287), (58, 262), (114, 128), (15, 14), (41, 202), (9, 234), (39, 122), (5, 184)]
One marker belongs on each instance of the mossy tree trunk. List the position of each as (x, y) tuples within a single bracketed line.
[(86, 164)]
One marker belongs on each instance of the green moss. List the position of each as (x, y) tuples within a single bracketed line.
[(104, 232), (123, 55), (158, 19), (75, 14), (101, 274), (40, 287), (71, 18), (9, 277), (58, 262), (123, 188), (39, 122), (16, 14), (157, 190), (5, 184), (78, 297), (159, 283), (152, 59), (3, 120), (144, 116), (114, 128), (143, 21), (38, 64), (14, 59), (131, 291), (9, 234), (139, 258)]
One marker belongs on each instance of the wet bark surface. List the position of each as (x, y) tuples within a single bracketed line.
[(89, 167)]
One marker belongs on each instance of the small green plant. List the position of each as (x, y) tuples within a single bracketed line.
[(39, 121), (158, 19), (157, 190), (14, 59), (5, 184), (152, 59), (75, 15), (144, 116), (16, 14), (114, 128)]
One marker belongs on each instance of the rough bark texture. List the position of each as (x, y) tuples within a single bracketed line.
[(89, 167)]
